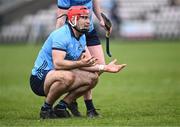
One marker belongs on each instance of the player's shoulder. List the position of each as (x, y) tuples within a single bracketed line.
[(62, 31), (60, 36)]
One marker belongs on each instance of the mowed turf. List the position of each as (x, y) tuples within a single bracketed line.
[(146, 92)]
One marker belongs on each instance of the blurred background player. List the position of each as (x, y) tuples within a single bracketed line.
[(115, 17), (93, 43)]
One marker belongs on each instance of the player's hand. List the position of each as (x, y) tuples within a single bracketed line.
[(102, 24), (87, 61), (112, 67)]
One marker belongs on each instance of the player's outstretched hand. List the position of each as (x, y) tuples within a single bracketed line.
[(112, 67)]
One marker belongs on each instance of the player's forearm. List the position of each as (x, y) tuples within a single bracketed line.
[(97, 10), (60, 22), (67, 65), (110, 68), (60, 17), (95, 68)]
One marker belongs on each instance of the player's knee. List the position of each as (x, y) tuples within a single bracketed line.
[(69, 78), (93, 80)]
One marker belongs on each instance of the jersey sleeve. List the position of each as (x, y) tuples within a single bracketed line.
[(63, 4), (58, 43)]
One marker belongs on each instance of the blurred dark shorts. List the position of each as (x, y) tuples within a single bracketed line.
[(92, 38), (37, 83)]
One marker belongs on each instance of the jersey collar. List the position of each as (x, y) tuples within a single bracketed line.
[(72, 33)]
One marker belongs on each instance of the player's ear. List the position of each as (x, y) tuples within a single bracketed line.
[(72, 19)]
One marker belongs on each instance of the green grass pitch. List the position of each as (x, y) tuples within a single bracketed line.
[(145, 93)]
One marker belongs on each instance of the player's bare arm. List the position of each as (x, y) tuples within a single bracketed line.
[(61, 18), (112, 67), (97, 12), (61, 64)]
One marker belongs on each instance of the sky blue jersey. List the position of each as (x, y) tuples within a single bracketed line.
[(66, 4), (61, 39)]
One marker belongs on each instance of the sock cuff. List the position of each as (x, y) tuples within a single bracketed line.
[(89, 104), (47, 104), (89, 100), (63, 104)]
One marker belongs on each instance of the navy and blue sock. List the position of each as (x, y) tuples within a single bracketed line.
[(46, 106), (89, 105), (62, 104)]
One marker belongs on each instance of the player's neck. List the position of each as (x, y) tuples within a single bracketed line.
[(76, 33)]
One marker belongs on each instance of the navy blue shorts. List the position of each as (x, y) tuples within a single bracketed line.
[(92, 38), (37, 84)]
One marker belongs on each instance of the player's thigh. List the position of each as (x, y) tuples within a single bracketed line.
[(66, 77), (94, 46), (84, 77), (92, 38)]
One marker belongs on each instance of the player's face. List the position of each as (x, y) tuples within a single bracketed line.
[(83, 22)]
